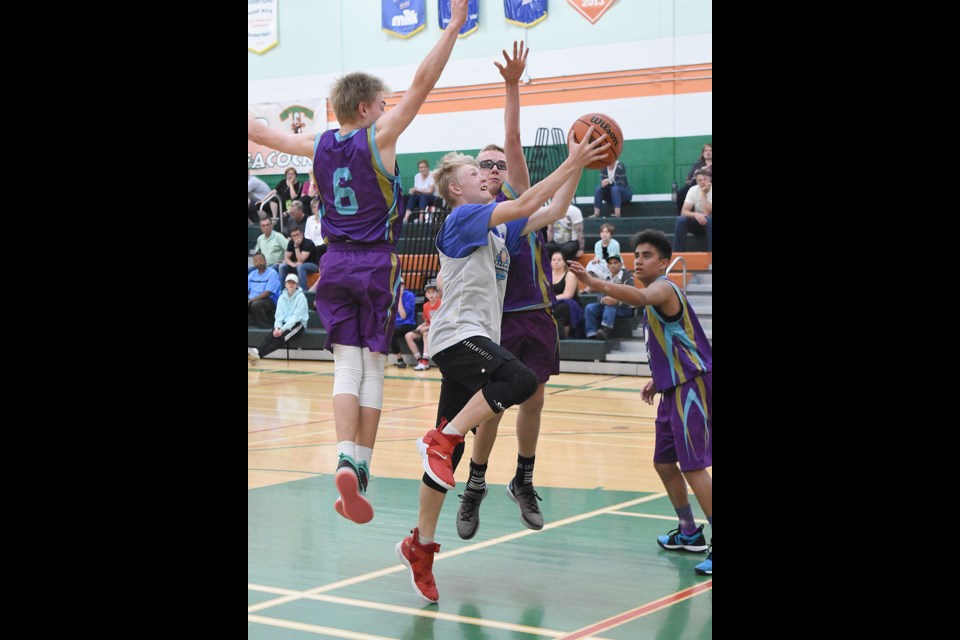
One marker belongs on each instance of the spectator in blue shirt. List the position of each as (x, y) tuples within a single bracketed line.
[(406, 321), (263, 288), (290, 320)]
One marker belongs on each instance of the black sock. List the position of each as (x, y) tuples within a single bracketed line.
[(524, 471), (477, 480)]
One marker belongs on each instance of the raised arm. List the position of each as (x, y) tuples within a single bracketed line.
[(299, 145), (557, 208), (581, 154), (512, 149), (394, 122), (658, 294)]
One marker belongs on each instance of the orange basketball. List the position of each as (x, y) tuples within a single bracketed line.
[(603, 124)]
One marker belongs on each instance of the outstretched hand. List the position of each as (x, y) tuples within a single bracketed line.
[(513, 70), (587, 151), (458, 13), (580, 272)]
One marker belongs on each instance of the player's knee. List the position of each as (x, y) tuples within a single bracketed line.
[(526, 383), (347, 370), (427, 480), (512, 383), (371, 385)]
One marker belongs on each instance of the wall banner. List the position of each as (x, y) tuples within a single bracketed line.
[(303, 117), (403, 18), (473, 16), (525, 13), (261, 25), (591, 9)]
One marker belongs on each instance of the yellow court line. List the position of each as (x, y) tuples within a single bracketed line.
[(441, 556)]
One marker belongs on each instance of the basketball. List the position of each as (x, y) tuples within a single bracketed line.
[(603, 125)]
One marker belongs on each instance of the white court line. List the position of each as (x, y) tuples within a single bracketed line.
[(312, 628), (436, 615), (650, 515), (296, 595)]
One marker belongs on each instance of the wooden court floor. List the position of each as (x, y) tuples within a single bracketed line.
[(594, 571)]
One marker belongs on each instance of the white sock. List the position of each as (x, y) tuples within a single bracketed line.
[(423, 540), (449, 430), (364, 454), (347, 448)]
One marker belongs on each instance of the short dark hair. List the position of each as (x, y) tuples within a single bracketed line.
[(292, 228), (657, 239), (703, 172)]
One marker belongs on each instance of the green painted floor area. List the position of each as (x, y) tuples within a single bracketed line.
[(561, 579)]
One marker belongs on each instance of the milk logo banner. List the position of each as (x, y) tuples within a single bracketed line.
[(525, 13), (473, 16), (261, 25), (591, 9), (403, 18), (303, 117)]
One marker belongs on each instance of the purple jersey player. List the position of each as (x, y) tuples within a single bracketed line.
[(528, 329), (681, 361), (356, 175)]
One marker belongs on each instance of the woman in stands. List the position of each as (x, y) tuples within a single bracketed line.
[(566, 309)]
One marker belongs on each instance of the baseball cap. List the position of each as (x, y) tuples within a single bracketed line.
[(291, 276)]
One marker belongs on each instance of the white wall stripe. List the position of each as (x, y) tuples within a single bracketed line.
[(642, 54)]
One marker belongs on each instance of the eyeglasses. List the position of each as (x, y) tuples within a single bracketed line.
[(490, 164)]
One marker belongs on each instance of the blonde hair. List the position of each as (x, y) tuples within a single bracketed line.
[(492, 147), (447, 169), (350, 90)]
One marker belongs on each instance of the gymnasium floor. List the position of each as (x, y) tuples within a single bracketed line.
[(594, 571)]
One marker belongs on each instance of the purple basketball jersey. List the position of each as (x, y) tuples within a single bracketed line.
[(362, 202), (677, 351), (528, 286)]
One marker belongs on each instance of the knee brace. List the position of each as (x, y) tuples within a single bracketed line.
[(347, 369), (457, 454), (371, 386), (511, 384)]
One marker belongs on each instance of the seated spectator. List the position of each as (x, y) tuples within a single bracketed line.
[(566, 309), (295, 216), (432, 294), (696, 217), (257, 192), (422, 194), (614, 190), (272, 244), (263, 288), (308, 192), (406, 321), (566, 234), (300, 256), (289, 188), (605, 312), (603, 249), (290, 321), (312, 230), (705, 161)]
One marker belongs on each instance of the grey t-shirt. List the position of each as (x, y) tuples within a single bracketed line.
[(474, 263)]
